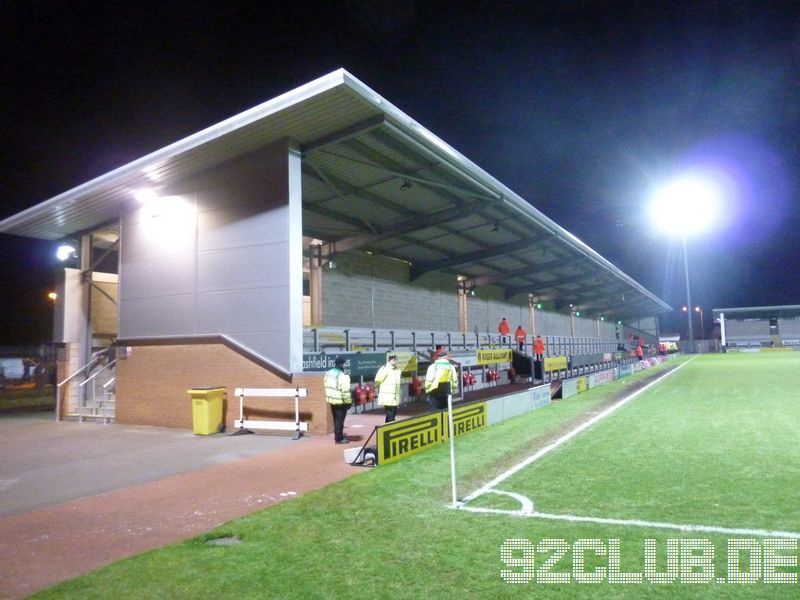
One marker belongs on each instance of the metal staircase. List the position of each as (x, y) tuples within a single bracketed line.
[(91, 390)]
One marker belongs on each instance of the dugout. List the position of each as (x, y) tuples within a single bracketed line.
[(214, 260)]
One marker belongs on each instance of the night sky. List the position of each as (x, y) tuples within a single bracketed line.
[(580, 107)]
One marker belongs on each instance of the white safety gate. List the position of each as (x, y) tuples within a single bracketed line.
[(244, 426)]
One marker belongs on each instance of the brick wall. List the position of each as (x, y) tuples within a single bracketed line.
[(152, 383)]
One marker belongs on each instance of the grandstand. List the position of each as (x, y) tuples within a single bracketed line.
[(322, 221), (756, 327)]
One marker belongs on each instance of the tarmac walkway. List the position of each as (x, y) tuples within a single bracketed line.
[(77, 496)]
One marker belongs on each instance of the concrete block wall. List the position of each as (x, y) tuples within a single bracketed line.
[(371, 291), (368, 291), (550, 323), (152, 383), (487, 308)]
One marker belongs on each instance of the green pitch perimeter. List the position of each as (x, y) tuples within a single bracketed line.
[(715, 443)]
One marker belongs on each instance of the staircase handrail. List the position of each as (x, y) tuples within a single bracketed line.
[(96, 373)]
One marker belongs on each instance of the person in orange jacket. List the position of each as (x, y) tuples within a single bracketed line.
[(639, 352), (504, 330), (521, 336), (538, 348)]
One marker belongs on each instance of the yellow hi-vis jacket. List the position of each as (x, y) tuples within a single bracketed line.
[(441, 371), (388, 381), (337, 387)]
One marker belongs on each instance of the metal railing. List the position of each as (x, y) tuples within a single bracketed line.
[(84, 370)]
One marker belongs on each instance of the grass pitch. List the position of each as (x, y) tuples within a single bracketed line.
[(715, 443)]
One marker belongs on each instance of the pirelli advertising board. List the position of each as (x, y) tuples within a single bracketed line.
[(402, 438), (493, 356)]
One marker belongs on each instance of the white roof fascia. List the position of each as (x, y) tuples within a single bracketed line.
[(135, 168)]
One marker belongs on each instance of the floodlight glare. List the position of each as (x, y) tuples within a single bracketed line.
[(687, 205), (65, 252), (145, 195)]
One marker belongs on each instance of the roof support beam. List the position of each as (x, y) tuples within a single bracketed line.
[(420, 269), (530, 270), (344, 134), (407, 226)]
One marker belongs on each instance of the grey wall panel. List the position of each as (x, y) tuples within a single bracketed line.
[(164, 276), (237, 254), (242, 268), (240, 226), (240, 311), (158, 316), (157, 237)]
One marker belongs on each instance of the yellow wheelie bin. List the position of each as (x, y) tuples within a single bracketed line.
[(206, 410)]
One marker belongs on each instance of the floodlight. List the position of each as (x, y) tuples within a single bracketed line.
[(686, 205), (65, 252)]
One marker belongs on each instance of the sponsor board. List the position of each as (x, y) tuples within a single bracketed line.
[(493, 355), (403, 438), (541, 396), (406, 361), (581, 385), (625, 370), (607, 356), (555, 363), (356, 364), (569, 388), (465, 419), (601, 378), (399, 439)]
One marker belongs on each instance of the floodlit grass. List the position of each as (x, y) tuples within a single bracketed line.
[(715, 445), (710, 444)]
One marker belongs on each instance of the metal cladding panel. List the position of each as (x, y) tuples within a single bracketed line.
[(240, 227), (242, 268), (157, 316), (159, 276), (237, 274), (234, 312)]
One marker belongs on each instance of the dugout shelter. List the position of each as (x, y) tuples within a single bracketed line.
[(217, 260)]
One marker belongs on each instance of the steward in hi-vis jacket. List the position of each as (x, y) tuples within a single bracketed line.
[(441, 379), (388, 381), (337, 394)]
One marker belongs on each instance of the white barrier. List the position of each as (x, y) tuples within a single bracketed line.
[(245, 426)]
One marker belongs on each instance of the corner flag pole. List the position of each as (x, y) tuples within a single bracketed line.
[(452, 445)]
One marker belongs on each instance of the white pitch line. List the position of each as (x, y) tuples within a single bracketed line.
[(763, 533), (564, 438)]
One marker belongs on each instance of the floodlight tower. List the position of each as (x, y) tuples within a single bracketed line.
[(685, 206)]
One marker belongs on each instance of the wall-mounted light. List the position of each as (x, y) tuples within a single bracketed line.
[(66, 251), (52, 296)]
